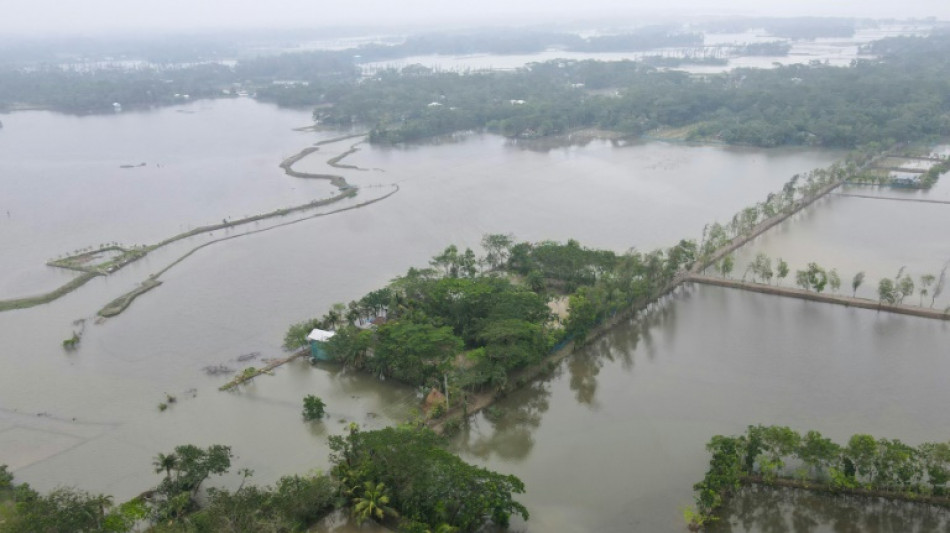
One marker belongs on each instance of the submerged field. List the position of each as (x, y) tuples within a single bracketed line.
[(613, 440)]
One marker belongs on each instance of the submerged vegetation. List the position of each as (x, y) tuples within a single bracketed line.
[(313, 408), (864, 466)]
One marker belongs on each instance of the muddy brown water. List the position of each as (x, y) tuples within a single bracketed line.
[(613, 440)]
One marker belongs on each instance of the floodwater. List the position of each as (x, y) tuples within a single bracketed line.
[(624, 423), (786, 510), (607, 194), (838, 52), (64, 188), (614, 439), (877, 236)]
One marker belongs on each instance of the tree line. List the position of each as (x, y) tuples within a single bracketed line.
[(400, 476), (900, 97), (890, 291), (864, 465)]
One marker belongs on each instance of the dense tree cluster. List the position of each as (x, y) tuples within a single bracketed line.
[(902, 96), (428, 488), (431, 490), (884, 466), (95, 91), (471, 321)]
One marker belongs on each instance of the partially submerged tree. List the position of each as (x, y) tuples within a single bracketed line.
[(781, 270), (313, 408), (407, 469), (856, 282), (176, 494)]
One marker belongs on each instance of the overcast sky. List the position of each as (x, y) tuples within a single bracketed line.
[(42, 17)]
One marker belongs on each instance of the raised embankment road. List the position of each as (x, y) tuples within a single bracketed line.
[(849, 301)]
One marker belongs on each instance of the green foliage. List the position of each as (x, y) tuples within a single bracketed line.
[(186, 469), (372, 502), (722, 478), (886, 291), (834, 281), (313, 408), (905, 287), (797, 104), (422, 481), (761, 267), (350, 346), (450, 322), (818, 452), (817, 277), (889, 466), (293, 504), (781, 269), (583, 314), (566, 265), (66, 510), (497, 249), (296, 336), (898, 97), (72, 342), (6, 478), (413, 352), (856, 282), (726, 265)]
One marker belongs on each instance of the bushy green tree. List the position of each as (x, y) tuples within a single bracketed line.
[(886, 291), (313, 408), (176, 494), (425, 483)]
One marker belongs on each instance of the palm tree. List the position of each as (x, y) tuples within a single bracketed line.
[(165, 463), (102, 502), (374, 503)]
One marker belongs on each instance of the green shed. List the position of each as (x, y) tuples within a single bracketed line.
[(318, 339)]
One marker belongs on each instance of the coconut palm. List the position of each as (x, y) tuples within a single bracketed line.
[(374, 503), (165, 463)]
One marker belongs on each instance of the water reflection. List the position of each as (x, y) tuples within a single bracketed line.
[(512, 423), (779, 510), (556, 142)]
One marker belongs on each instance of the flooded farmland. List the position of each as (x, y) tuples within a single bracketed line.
[(612, 440)]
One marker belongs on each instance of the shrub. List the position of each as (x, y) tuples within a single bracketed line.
[(313, 408)]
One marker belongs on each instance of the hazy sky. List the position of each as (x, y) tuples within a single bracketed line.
[(41, 17)]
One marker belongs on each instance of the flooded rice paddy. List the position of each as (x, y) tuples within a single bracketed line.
[(612, 440)]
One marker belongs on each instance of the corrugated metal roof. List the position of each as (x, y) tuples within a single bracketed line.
[(320, 335)]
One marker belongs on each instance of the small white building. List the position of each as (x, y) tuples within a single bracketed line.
[(318, 339)]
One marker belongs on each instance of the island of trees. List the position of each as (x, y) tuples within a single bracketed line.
[(470, 325), (469, 322)]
